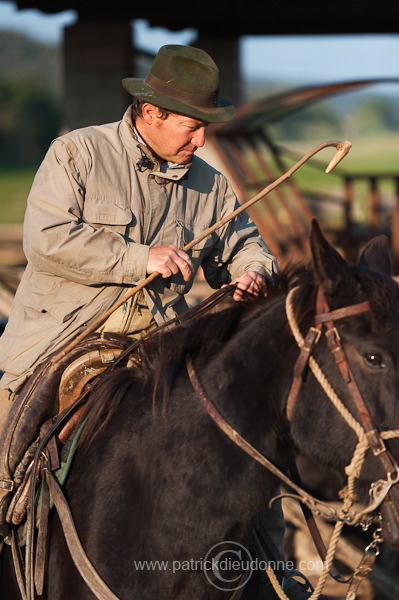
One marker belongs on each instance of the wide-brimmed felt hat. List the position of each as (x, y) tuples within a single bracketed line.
[(184, 80)]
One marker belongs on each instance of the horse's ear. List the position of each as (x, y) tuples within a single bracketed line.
[(331, 270), (375, 255)]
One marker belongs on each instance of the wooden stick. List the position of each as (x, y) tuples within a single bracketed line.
[(342, 148)]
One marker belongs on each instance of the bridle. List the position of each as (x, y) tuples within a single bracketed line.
[(368, 436), (365, 429), (325, 317)]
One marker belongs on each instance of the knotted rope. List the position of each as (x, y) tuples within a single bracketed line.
[(352, 471)]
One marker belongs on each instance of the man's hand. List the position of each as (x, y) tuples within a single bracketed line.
[(251, 282), (169, 260)]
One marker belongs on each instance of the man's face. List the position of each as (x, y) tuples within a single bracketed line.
[(174, 139)]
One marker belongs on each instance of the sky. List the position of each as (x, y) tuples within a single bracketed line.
[(299, 59)]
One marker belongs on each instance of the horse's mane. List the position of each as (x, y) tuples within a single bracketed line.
[(162, 355)]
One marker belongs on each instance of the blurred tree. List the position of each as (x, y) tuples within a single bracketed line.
[(30, 106), (314, 122), (23, 57), (30, 118), (376, 114)]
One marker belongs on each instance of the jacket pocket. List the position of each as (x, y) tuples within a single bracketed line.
[(46, 295), (107, 213), (61, 310), (188, 234)]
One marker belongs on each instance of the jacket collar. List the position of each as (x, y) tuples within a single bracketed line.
[(139, 151)]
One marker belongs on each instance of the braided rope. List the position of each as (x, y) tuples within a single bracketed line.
[(325, 384), (352, 470), (332, 547), (318, 373), (389, 434), (326, 568), (344, 412), (276, 584)]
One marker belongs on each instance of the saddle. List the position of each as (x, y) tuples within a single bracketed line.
[(51, 389)]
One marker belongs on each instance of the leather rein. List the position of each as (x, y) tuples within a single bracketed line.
[(324, 318), (30, 572), (92, 578)]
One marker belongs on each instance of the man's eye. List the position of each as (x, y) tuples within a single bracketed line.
[(374, 360)]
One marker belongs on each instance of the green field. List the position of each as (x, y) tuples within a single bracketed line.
[(368, 156), (14, 189)]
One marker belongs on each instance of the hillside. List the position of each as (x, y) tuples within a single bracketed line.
[(22, 57)]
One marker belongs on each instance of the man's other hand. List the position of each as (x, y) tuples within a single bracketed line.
[(250, 282)]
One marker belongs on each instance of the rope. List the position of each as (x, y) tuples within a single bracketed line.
[(332, 547), (352, 470), (318, 373), (276, 584), (389, 434), (325, 384), (326, 567)]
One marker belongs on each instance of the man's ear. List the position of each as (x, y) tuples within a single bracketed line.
[(149, 112)]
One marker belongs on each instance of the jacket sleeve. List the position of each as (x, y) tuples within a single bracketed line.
[(238, 246), (59, 239)]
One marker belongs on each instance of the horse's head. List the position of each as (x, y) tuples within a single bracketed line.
[(353, 344)]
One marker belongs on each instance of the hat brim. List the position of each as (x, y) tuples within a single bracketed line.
[(224, 111)]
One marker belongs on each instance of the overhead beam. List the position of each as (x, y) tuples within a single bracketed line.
[(235, 17)]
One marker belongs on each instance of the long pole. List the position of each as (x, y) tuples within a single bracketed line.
[(342, 148)]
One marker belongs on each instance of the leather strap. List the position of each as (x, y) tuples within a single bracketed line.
[(293, 483), (377, 444), (323, 315), (237, 438), (361, 571), (79, 557), (41, 544), (18, 563), (314, 530), (341, 313), (310, 341)]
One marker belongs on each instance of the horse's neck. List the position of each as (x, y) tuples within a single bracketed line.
[(250, 378)]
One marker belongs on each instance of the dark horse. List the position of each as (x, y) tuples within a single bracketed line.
[(154, 479)]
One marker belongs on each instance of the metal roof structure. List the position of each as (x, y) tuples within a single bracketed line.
[(233, 17), (273, 108), (99, 52), (246, 152)]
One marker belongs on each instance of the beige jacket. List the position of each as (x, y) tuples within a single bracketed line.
[(92, 216)]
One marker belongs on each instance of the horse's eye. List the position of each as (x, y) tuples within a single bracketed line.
[(373, 360)]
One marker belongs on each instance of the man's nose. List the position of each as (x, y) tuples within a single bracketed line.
[(199, 138)]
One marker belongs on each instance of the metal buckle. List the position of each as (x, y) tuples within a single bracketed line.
[(393, 477), (107, 355), (6, 484), (374, 438), (316, 333)]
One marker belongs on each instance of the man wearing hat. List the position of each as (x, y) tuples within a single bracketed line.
[(113, 203)]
